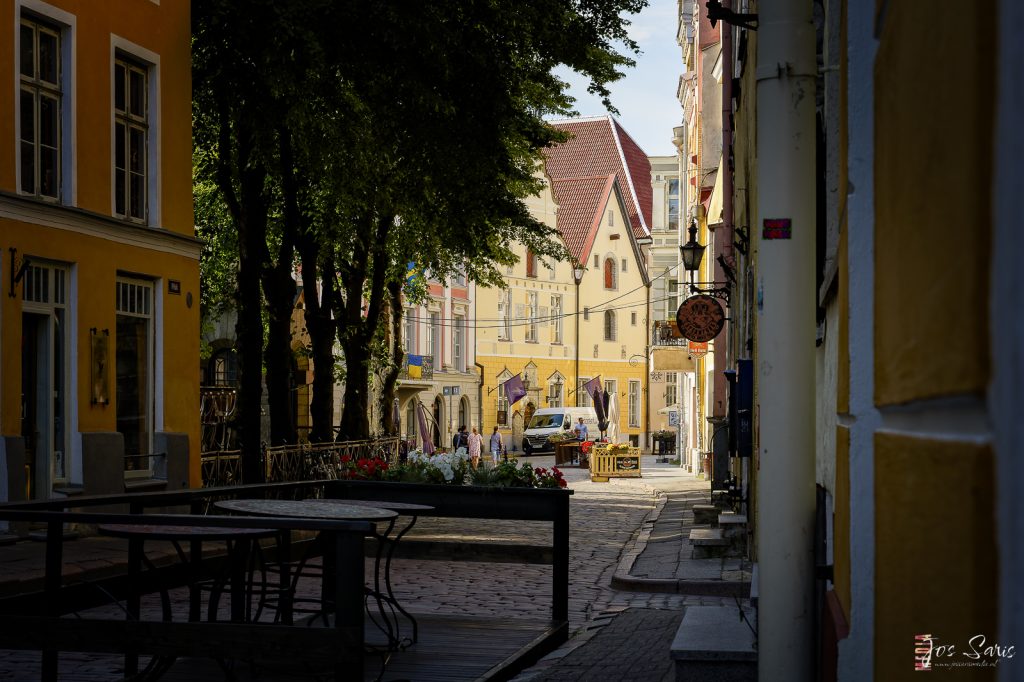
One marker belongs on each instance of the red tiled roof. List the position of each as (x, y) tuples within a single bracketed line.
[(600, 147), (580, 206)]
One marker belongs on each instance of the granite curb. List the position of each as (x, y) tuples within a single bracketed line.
[(622, 580)]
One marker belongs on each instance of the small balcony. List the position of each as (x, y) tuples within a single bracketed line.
[(417, 368), (666, 333)]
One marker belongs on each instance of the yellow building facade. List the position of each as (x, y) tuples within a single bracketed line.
[(557, 332), (100, 318)]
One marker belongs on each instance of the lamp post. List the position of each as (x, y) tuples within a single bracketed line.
[(577, 274)]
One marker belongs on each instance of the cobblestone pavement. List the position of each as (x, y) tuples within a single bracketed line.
[(605, 519)]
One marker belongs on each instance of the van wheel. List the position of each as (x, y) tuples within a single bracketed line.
[(527, 450)]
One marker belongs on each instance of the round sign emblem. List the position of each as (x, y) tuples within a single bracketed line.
[(700, 318)]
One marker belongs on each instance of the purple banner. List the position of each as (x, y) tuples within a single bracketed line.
[(514, 390)]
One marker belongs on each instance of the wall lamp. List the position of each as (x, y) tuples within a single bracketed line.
[(718, 13), (693, 254), (18, 270)]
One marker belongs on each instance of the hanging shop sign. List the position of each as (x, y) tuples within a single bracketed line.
[(700, 318), (697, 349)]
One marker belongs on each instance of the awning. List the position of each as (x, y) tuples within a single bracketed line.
[(715, 204)]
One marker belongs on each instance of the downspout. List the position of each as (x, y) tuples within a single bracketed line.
[(647, 368), (576, 390), (480, 396), (727, 206)]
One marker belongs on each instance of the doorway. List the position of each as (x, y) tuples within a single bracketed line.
[(43, 401)]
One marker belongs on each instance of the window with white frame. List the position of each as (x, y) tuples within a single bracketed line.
[(584, 396), (531, 317), (611, 386), (459, 343), (609, 325), (131, 138), (135, 369), (410, 331), (501, 408), (551, 265), (632, 318), (505, 315), (41, 100), (672, 304), (555, 384), (459, 279), (556, 318), (673, 203), (624, 263), (634, 403), (435, 337), (671, 389)]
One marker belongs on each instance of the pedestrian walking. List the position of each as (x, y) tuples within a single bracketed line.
[(460, 439), (495, 446), (581, 431), (475, 443)]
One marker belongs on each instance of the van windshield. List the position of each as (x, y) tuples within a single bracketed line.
[(546, 421)]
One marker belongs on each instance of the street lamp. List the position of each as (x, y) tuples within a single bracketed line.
[(693, 253), (577, 274)]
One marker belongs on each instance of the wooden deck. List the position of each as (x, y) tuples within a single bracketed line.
[(451, 648)]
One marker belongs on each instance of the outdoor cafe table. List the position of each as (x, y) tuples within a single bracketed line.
[(413, 511), (329, 509), (240, 542)]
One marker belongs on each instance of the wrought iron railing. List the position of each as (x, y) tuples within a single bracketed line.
[(666, 333), (302, 462)]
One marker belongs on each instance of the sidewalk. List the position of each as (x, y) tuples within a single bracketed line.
[(632, 573), (632, 639)]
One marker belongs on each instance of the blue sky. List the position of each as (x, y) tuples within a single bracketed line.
[(646, 96)]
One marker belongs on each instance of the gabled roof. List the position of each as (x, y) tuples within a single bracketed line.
[(581, 209), (581, 203), (599, 147)]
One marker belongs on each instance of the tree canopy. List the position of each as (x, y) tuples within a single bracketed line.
[(347, 139)]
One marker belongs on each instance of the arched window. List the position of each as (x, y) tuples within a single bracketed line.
[(223, 368), (609, 274), (609, 325)]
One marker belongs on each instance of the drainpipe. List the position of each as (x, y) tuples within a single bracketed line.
[(786, 302), (576, 392), (727, 139), (647, 368), (480, 396)]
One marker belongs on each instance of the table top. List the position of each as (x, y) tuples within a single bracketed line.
[(161, 532), (307, 509), (403, 508)]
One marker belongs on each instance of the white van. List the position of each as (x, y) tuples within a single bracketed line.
[(551, 420)]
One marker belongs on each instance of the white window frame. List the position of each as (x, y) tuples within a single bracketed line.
[(58, 283), (409, 329), (585, 399), (435, 337), (65, 23), (124, 49), (531, 317), (459, 343), (151, 349), (634, 403), (556, 318), (504, 315), (556, 390)]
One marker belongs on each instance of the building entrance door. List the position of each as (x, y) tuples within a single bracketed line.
[(42, 401)]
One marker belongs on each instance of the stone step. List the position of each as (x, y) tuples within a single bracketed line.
[(705, 513), (727, 518), (708, 537), (708, 543), (713, 643)]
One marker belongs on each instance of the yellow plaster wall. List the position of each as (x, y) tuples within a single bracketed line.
[(935, 552), (932, 198), (161, 28), (165, 30)]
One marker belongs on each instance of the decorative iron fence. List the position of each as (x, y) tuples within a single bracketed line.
[(302, 462)]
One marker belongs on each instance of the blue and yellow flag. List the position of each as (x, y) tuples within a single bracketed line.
[(415, 366)]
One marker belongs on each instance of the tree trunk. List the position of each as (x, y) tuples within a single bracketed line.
[(248, 210), (321, 330), (397, 354), (279, 290)]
